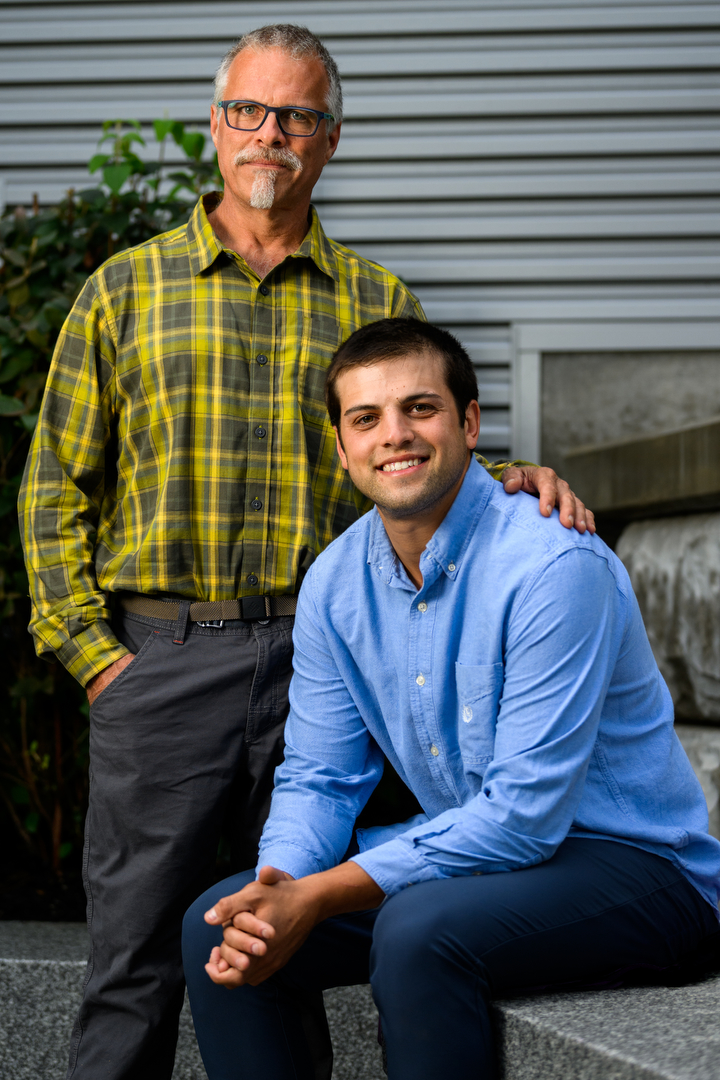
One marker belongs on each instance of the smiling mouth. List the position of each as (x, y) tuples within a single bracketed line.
[(401, 466)]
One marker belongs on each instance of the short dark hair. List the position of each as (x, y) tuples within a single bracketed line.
[(390, 339)]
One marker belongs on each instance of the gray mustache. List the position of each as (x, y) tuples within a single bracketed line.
[(274, 156)]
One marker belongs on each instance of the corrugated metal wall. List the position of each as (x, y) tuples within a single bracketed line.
[(509, 160)]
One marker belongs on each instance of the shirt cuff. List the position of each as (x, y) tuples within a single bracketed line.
[(395, 865), (90, 652), (292, 860)]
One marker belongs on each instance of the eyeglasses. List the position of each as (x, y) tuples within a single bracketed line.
[(292, 119)]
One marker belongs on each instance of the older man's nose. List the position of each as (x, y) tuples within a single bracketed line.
[(271, 133)]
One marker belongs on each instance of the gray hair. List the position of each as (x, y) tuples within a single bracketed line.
[(296, 41)]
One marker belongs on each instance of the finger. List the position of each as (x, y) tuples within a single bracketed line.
[(245, 920), (590, 521), (217, 960), (234, 958), (580, 515), (242, 942), (568, 506), (224, 909), (549, 488), (228, 977)]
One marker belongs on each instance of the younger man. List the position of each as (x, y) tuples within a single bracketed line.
[(501, 664)]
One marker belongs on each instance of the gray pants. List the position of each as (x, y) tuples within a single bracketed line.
[(184, 736)]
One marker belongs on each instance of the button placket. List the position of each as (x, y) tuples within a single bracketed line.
[(258, 444)]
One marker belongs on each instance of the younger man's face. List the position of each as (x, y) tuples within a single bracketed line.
[(400, 438)]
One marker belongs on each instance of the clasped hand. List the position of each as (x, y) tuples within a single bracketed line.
[(264, 924)]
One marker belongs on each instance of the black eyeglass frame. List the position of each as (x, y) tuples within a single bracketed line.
[(224, 105)]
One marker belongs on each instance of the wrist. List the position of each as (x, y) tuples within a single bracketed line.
[(345, 888)]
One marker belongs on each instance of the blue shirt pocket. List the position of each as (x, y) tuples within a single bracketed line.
[(478, 693)]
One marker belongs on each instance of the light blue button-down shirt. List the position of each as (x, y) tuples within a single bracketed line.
[(515, 693)]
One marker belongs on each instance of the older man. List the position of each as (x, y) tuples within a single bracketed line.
[(183, 468)]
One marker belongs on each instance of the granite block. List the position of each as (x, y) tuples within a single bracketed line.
[(647, 1033), (663, 1033), (353, 1022), (42, 967)]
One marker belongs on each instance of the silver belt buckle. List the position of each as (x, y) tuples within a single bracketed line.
[(219, 623)]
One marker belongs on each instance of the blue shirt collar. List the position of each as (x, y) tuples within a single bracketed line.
[(447, 545)]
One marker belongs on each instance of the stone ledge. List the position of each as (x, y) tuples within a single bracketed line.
[(646, 1033), (675, 471)]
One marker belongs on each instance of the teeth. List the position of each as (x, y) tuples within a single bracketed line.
[(398, 466)]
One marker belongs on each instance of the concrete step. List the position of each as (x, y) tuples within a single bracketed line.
[(647, 1033)]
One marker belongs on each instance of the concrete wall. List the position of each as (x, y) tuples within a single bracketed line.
[(674, 566), (590, 398)]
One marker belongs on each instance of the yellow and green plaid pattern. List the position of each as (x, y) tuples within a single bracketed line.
[(183, 445)]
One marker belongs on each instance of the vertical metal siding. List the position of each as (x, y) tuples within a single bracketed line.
[(515, 160)]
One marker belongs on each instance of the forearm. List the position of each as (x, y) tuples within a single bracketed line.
[(345, 888)]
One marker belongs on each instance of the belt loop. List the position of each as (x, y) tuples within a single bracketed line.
[(182, 621)]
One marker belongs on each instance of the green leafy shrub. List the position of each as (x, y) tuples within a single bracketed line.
[(46, 254)]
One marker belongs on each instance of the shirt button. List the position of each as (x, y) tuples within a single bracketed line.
[(422, 606), (420, 680), (434, 750), (261, 358), (264, 290), (260, 432), (256, 504), (451, 566), (252, 579)]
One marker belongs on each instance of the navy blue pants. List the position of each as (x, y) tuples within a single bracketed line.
[(436, 954)]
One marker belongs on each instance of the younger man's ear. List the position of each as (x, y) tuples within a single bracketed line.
[(341, 452), (472, 424)]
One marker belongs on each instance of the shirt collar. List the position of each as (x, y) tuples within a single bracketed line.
[(447, 546), (205, 247), (317, 247), (202, 241)]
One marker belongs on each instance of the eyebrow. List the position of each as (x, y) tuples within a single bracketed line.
[(424, 394)]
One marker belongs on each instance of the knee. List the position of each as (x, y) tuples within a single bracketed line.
[(198, 937), (407, 933)]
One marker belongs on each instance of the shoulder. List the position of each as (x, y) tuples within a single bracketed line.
[(371, 281), (344, 560), (524, 538), (142, 261)]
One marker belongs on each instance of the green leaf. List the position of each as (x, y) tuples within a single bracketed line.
[(163, 128), (13, 256), (193, 143), (178, 132), (97, 161), (20, 796), (11, 406), (15, 366), (29, 421), (65, 849), (115, 176), (32, 821), (18, 296)]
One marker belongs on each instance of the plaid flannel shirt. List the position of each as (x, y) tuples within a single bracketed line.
[(183, 446)]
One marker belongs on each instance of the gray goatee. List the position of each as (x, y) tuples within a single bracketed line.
[(262, 194)]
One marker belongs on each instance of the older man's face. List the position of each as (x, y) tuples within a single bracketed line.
[(267, 168)]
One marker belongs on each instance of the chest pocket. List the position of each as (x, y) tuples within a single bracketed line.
[(478, 690), (319, 347)]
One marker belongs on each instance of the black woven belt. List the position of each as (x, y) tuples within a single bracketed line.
[(246, 607)]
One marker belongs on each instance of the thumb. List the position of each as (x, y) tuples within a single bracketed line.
[(270, 875), (512, 479)]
